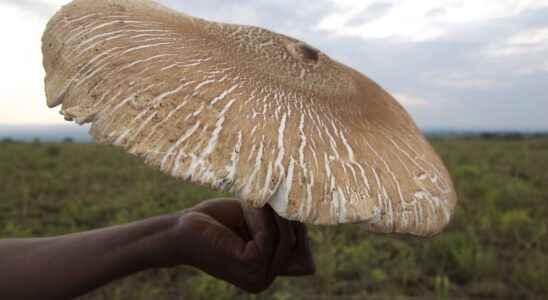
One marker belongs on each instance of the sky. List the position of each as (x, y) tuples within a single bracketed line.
[(454, 64)]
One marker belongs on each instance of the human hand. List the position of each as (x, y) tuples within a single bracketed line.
[(245, 246)]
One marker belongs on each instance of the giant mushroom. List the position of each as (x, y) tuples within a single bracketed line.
[(246, 110)]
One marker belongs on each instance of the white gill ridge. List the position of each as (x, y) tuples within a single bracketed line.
[(223, 95), (172, 113), (232, 167), (302, 164), (118, 34), (199, 161), (179, 142), (250, 182)]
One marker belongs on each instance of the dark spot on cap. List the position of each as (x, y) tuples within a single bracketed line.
[(309, 53), (304, 52)]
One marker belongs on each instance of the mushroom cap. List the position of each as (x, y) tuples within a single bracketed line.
[(245, 110)]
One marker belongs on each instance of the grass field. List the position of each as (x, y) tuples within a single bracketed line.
[(497, 245)]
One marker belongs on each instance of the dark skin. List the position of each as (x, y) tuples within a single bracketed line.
[(244, 246)]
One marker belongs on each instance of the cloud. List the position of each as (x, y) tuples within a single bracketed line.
[(410, 101), (419, 20), (37, 7), (284, 16), (370, 13), (523, 43), (461, 80), (523, 48), (22, 97)]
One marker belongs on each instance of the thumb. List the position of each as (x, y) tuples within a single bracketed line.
[(213, 237), (262, 227), (301, 262)]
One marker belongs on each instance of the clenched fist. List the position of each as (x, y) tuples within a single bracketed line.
[(245, 246)]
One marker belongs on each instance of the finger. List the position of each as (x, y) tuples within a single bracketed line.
[(217, 251), (285, 246), (212, 240), (227, 211), (262, 227), (302, 261)]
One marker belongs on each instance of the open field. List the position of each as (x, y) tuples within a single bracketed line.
[(497, 245)]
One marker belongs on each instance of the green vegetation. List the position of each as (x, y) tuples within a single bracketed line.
[(497, 245)]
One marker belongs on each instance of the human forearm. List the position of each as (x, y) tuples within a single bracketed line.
[(68, 266), (244, 246)]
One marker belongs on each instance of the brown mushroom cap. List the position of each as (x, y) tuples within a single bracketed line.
[(245, 110)]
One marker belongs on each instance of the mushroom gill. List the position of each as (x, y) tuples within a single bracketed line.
[(246, 110)]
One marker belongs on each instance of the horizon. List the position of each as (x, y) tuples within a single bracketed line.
[(77, 133)]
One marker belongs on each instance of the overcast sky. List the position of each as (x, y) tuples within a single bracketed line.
[(468, 64)]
